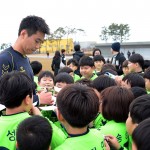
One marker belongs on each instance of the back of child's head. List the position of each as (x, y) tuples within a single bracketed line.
[(137, 58), (45, 74), (36, 67), (115, 103), (72, 61), (64, 77), (138, 91), (104, 72), (65, 69), (78, 104), (108, 66), (134, 79), (141, 136), (86, 61), (102, 82), (140, 108), (14, 87), (34, 133), (125, 64), (147, 73), (85, 81), (99, 58)]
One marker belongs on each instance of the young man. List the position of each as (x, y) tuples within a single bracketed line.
[(16, 90), (136, 63), (30, 37), (36, 129), (117, 58), (78, 54), (87, 68), (78, 105)]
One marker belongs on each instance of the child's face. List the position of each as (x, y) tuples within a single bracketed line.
[(125, 84), (73, 67), (147, 84), (86, 71), (98, 64), (125, 70), (130, 126), (132, 66), (46, 82), (61, 84)]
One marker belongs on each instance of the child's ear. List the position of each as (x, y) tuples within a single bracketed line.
[(27, 100), (59, 115)]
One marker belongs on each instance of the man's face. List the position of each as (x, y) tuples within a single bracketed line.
[(31, 43), (73, 67), (86, 71), (98, 64)]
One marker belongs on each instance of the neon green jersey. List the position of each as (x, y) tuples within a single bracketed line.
[(8, 126), (148, 92), (99, 121), (118, 130), (76, 77), (93, 140)]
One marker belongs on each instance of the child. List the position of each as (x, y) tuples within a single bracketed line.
[(62, 79), (133, 79), (70, 72), (16, 90), (34, 133), (147, 79), (139, 110), (141, 136), (74, 65), (46, 81), (125, 68), (138, 91), (77, 106), (86, 64), (99, 61), (115, 108)]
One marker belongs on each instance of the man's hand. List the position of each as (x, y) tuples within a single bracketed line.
[(46, 98)]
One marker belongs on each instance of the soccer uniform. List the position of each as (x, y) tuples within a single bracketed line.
[(76, 77), (94, 76), (92, 140), (8, 126), (118, 130)]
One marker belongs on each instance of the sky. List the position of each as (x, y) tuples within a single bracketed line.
[(89, 15)]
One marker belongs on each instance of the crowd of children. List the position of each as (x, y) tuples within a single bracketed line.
[(94, 107)]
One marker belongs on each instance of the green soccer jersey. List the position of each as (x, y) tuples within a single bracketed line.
[(93, 140), (148, 92), (76, 77), (8, 126), (99, 121), (118, 130)]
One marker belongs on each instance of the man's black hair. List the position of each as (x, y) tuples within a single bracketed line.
[(36, 67), (33, 24)]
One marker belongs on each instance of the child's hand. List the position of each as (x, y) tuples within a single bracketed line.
[(112, 141), (35, 111), (106, 145)]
